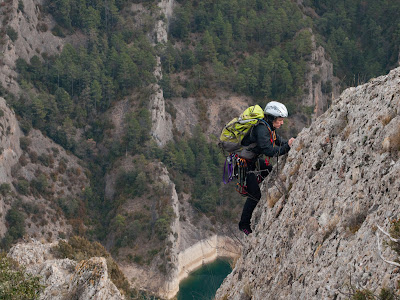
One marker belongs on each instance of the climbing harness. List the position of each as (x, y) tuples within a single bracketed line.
[(236, 167)]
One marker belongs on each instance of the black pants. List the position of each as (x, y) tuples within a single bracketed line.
[(253, 190)]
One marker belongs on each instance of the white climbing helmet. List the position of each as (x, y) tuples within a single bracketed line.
[(276, 109)]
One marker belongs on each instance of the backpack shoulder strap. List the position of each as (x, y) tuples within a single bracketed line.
[(271, 132)]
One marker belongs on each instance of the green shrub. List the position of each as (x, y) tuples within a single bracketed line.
[(40, 184), (15, 284), (326, 87), (126, 236), (365, 294), (16, 227), (24, 143), (69, 206), (62, 166), (26, 125), (13, 35), (138, 259), (45, 159), (21, 5), (162, 228), (31, 208), (58, 31), (5, 188), (394, 231), (23, 186)]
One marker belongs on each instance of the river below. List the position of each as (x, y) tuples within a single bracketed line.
[(204, 282)]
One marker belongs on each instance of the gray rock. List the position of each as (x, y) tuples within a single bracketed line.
[(324, 237), (65, 278)]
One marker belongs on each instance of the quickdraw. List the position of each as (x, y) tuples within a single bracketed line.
[(241, 186), (235, 167), (229, 168)]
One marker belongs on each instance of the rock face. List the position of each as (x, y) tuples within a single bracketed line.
[(10, 152), (161, 128), (65, 278), (10, 133), (33, 37), (320, 83), (316, 229)]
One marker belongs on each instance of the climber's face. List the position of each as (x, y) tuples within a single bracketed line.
[(278, 122)]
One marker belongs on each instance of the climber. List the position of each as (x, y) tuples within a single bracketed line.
[(269, 144)]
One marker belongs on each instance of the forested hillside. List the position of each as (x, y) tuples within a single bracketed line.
[(362, 37), (258, 50)]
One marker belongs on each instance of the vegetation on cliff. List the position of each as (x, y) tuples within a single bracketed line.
[(362, 37), (256, 48), (15, 283)]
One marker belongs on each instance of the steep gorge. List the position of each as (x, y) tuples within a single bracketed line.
[(186, 236)]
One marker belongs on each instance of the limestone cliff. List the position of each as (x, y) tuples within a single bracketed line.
[(321, 85), (161, 129), (10, 133), (316, 227)]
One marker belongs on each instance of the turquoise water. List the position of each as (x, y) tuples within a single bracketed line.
[(204, 282)]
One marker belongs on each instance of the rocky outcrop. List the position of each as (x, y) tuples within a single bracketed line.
[(316, 229), (65, 278), (161, 129), (161, 26), (10, 152), (10, 133), (220, 110), (321, 85)]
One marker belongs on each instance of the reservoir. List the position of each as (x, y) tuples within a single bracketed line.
[(204, 282)]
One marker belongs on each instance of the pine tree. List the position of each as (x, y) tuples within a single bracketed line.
[(95, 93), (208, 48), (64, 102)]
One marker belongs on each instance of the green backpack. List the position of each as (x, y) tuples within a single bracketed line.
[(234, 132)]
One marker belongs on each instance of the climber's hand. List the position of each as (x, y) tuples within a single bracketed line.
[(290, 142)]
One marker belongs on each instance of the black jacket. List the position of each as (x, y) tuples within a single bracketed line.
[(260, 135)]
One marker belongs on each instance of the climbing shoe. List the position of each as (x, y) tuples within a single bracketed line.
[(246, 229)]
